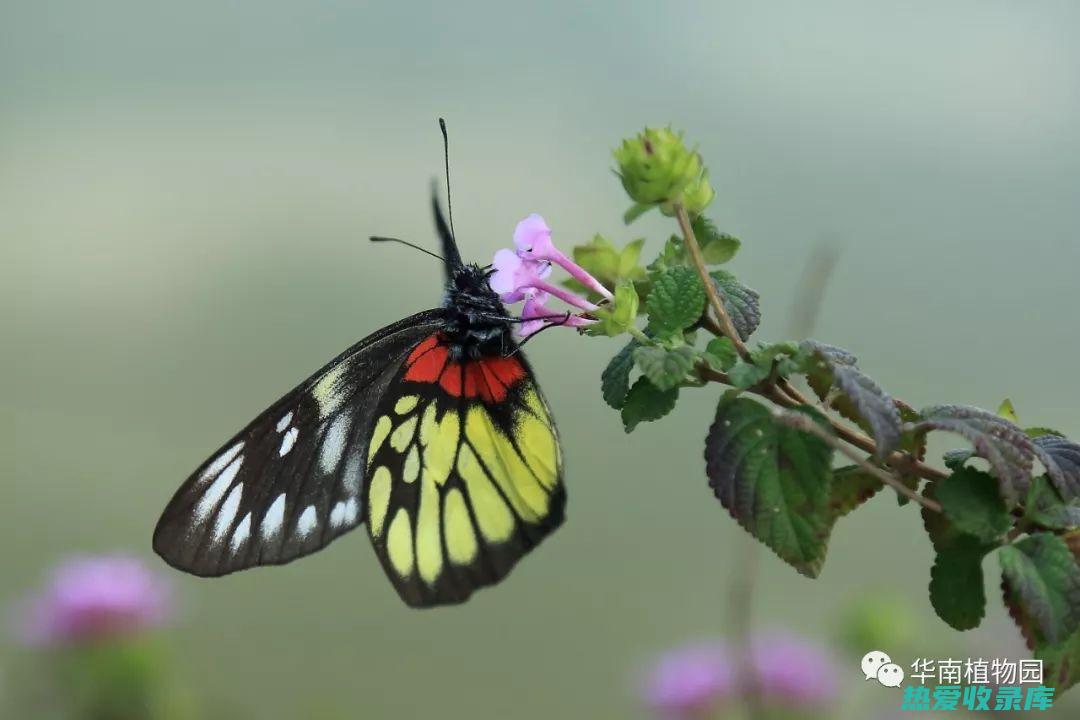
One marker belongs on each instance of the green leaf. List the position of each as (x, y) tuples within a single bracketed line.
[(774, 480), (970, 500), (1034, 432), (646, 402), (762, 360), (1041, 577), (1001, 443), (716, 247), (1045, 507), (956, 459), (599, 257), (744, 375), (720, 353), (628, 261), (609, 264), (1007, 411), (615, 380), (860, 398), (851, 487), (956, 583), (665, 368), (635, 211), (616, 319), (676, 301), (740, 302), (1061, 458), (1061, 662), (672, 254)]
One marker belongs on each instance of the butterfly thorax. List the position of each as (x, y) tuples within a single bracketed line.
[(477, 324)]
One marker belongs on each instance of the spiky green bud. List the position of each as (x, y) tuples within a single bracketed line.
[(656, 168)]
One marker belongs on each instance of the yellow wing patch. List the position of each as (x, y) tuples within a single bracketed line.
[(458, 491)]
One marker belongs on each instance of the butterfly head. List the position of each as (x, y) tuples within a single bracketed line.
[(478, 324)]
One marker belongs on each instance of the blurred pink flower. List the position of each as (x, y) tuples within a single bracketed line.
[(94, 598), (792, 670), (690, 681)]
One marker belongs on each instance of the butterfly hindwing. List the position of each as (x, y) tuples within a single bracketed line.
[(464, 473), (293, 479)]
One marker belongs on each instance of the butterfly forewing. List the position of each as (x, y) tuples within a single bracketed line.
[(464, 473), (293, 479)]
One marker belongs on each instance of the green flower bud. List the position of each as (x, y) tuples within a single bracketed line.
[(698, 195), (656, 168)]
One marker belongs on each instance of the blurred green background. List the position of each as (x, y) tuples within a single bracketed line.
[(185, 193)]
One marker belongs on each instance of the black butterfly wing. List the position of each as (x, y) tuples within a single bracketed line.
[(293, 479)]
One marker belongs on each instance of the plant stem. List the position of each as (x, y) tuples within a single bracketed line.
[(865, 442), (807, 424), (774, 393), (713, 295)]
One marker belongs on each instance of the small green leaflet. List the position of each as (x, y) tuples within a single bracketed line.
[(956, 583), (645, 402), (615, 380), (860, 398), (665, 368), (1001, 443), (740, 302), (676, 300), (971, 502)]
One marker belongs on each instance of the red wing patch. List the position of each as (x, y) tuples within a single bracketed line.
[(488, 378)]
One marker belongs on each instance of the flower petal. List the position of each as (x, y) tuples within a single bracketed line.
[(506, 264), (530, 232)]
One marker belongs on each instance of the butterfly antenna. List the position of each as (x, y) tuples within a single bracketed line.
[(446, 162), (378, 238)]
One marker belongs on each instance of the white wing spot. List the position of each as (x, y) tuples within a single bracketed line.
[(334, 444), (271, 522), (307, 522), (352, 509), (284, 422), (227, 513), (240, 535), (350, 476), (221, 461), (214, 493), (288, 441), (337, 515)]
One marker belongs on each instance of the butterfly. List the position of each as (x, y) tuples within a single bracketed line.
[(432, 432)]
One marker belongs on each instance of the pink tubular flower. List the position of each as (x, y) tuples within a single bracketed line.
[(516, 279), (95, 598), (689, 682), (521, 274), (532, 237), (537, 315)]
